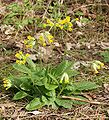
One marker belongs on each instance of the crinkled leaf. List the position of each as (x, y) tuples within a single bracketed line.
[(31, 63), (52, 77), (22, 68), (20, 95), (78, 102), (50, 86), (26, 86), (60, 69), (34, 104), (64, 103), (51, 93), (85, 85)]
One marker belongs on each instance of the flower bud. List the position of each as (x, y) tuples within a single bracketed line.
[(64, 78)]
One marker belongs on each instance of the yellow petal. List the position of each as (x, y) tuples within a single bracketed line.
[(68, 19)]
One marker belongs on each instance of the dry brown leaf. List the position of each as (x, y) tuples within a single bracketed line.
[(68, 46), (106, 88), (85, 11), (45, 53)]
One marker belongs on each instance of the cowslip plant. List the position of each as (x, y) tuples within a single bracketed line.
[(44, 86)]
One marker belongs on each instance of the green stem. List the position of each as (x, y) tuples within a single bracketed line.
[(63, 86)]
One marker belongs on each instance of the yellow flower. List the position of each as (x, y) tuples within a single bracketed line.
[(70, 24), (50, 38), (60, 26), (50, 22), (30, 38), (7, 83), (77, 19), (95, 67), (64, 78), (20, 61), (45, 38), (100, 63), (50, 41), (25, 42), (29, 46), (42, 39), (62, 21), (27, 55), (67, 18), (70, 29), (30, 42), (21, 57), (44, 44)]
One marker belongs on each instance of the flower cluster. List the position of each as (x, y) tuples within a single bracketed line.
[(62, 24), (30, 42), (65, 24), (21, 57), (7, 83), (50, 23), (45, 38), (96, 65)]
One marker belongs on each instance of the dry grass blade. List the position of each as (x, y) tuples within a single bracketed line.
[(87, 101)]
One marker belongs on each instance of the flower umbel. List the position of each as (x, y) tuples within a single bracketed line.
[(7, 83), (65, 24), (64, 78), (45, 38), (30, 42), (21, 57)]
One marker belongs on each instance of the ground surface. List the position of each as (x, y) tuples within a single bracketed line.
[(86, 44)]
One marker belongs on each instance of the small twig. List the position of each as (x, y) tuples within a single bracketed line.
[(87, 101), (46, 10)]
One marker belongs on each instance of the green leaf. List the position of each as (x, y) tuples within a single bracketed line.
[(70, 88), (105, 55), (64, 103), (50, 86), (22, 68), (85, 85), (20, 95), (31, 63), (79, 13), (62, 67), (26, 86), (44, 99), (34, 104), (52, 77), (78, 102), (51, 94), (38, 80), (84, 20)]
